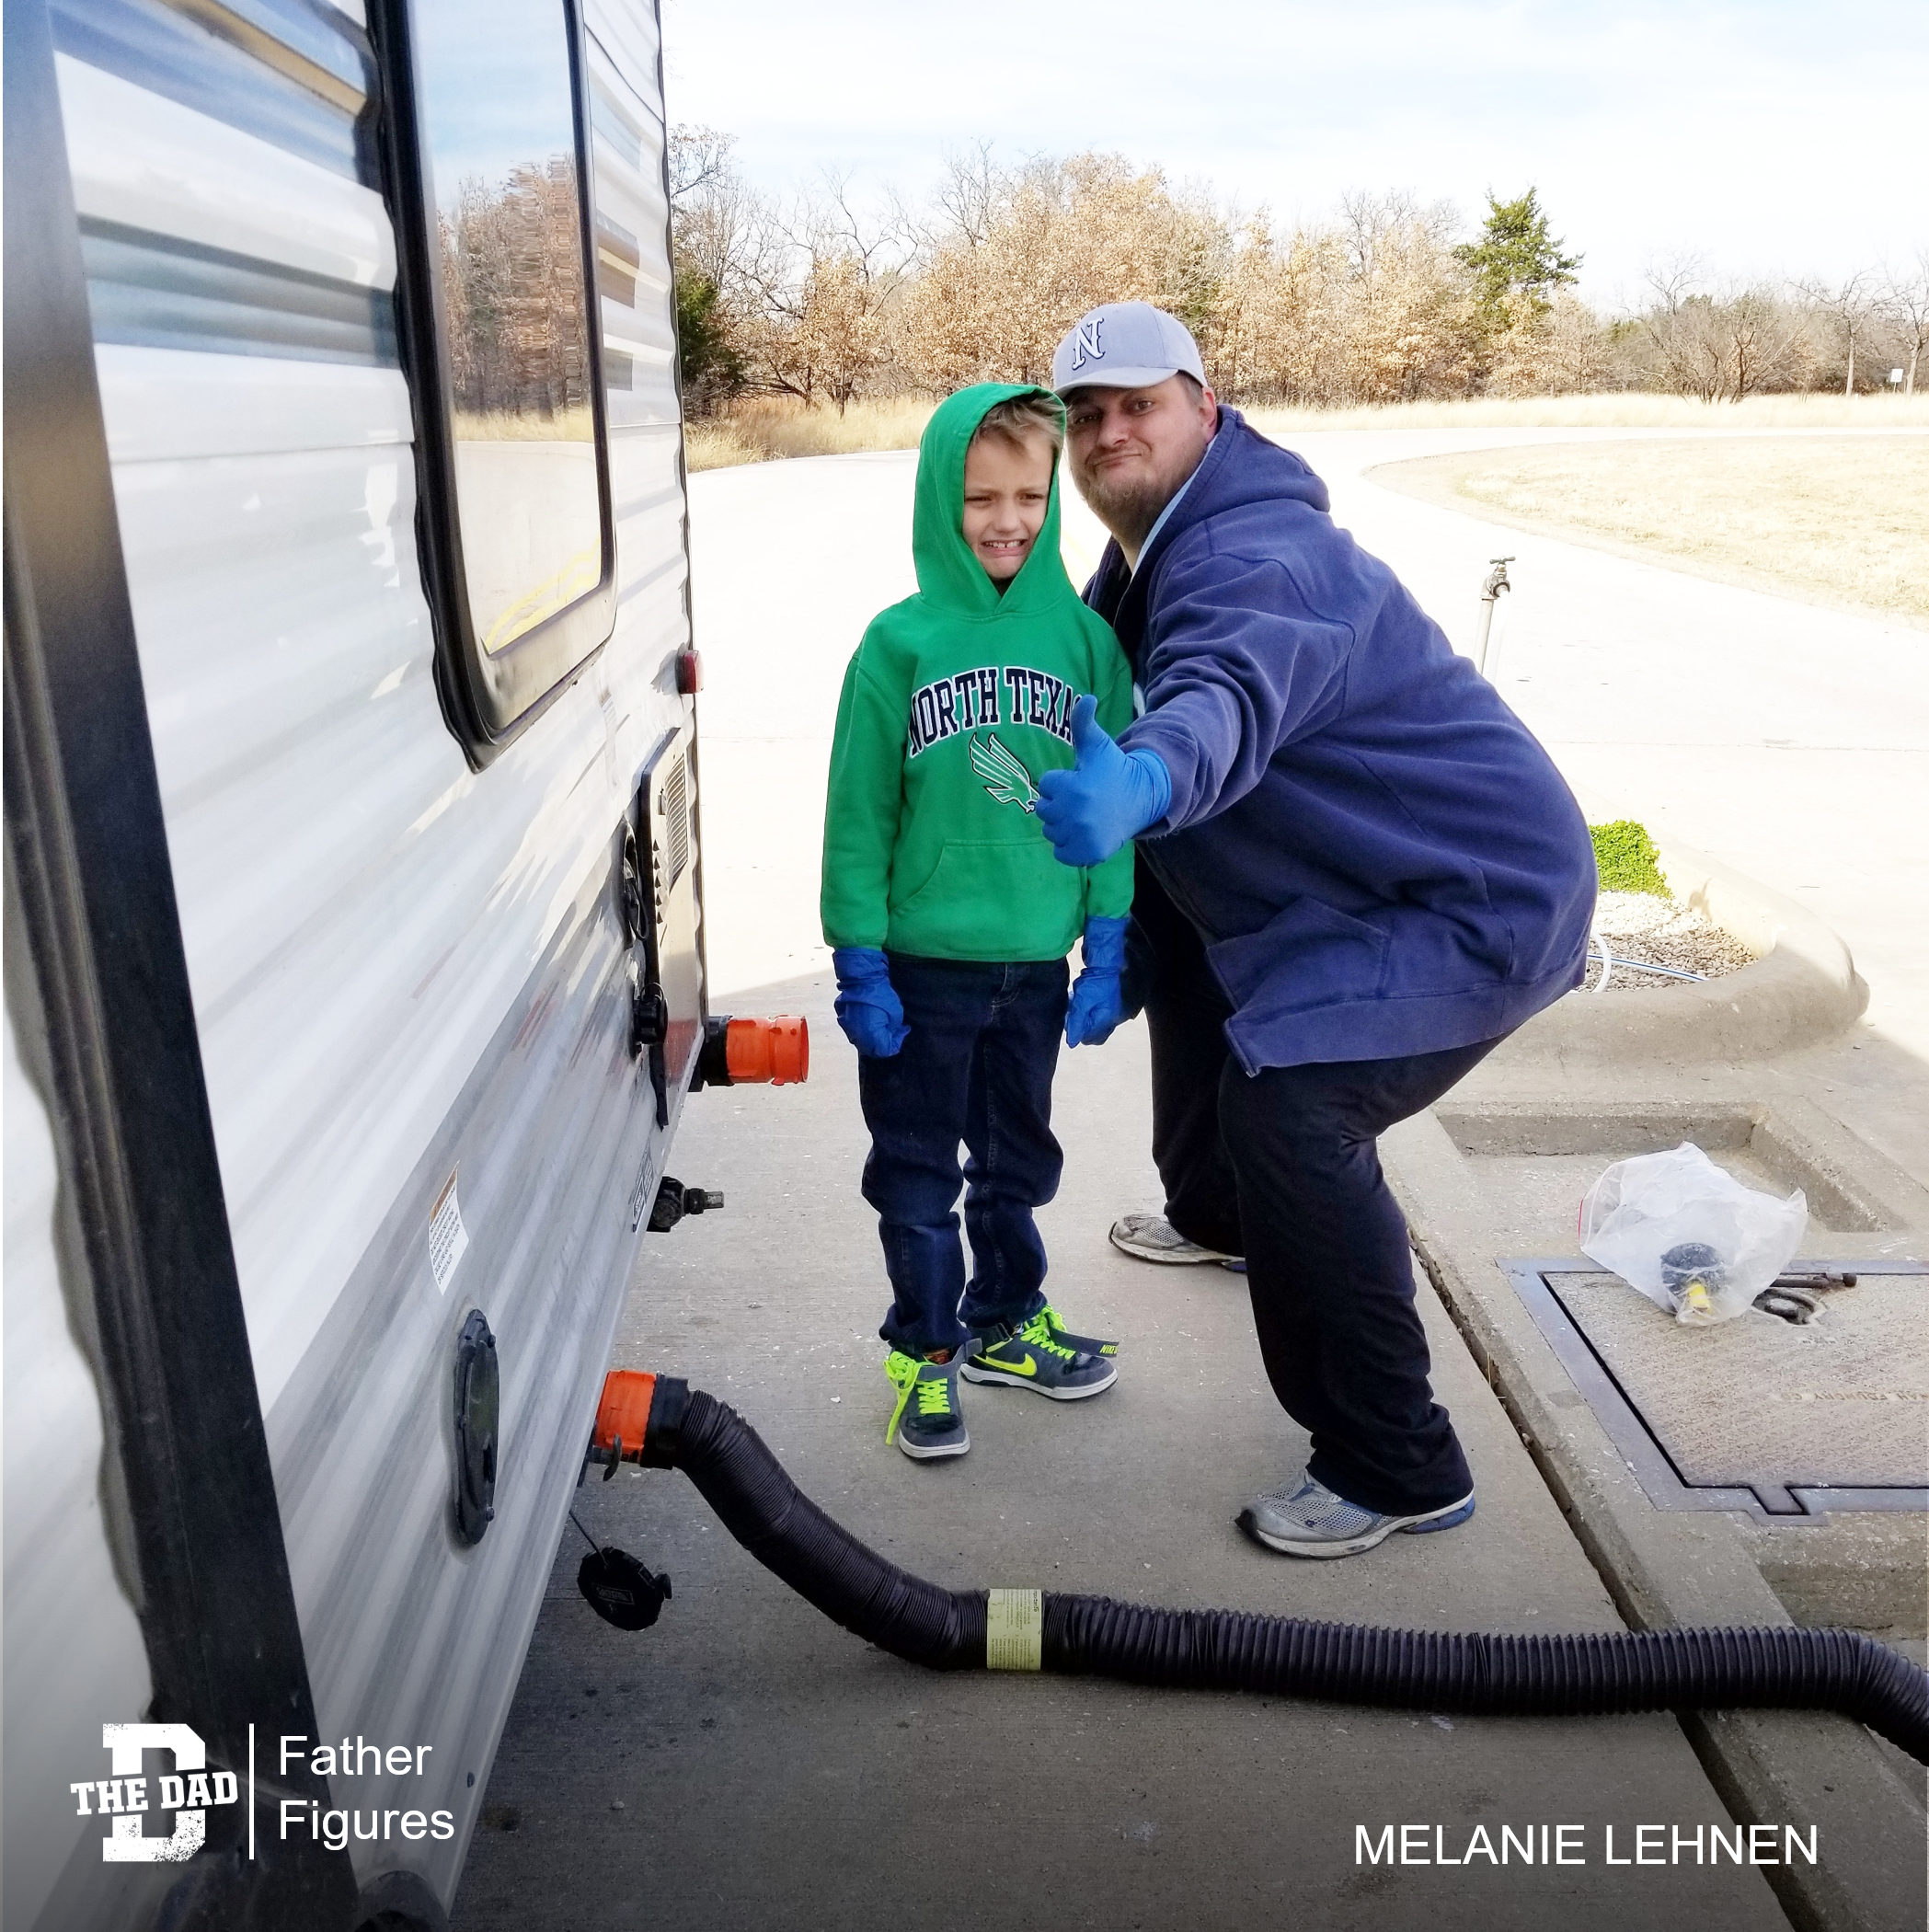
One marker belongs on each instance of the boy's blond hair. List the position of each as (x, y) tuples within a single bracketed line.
[(1020, 418)]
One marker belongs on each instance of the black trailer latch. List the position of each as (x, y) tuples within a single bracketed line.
[(478, 1403), (650, 1018)]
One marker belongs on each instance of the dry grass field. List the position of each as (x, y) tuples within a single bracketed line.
[(762, 428), (1839, 521), (1618, 409)]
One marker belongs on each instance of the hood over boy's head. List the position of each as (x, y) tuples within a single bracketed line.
[(984, 531)]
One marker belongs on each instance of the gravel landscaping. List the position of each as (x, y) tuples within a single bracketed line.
[(1662, 932)]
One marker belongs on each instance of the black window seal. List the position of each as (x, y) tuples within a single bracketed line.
[(89, 879), (490, 700)]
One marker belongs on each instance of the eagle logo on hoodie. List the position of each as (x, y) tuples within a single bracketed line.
[(1005, 778)]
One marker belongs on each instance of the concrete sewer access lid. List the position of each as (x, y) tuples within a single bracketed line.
[(1752, 1414)]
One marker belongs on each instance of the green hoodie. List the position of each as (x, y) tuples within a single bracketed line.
[(955, 702)]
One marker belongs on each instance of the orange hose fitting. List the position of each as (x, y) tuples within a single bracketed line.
[(623, 1414), (776, 1049)]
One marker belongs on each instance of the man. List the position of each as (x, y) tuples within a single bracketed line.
[(1358, 871)]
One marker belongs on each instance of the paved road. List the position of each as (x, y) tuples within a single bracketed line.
[(1790, 740)]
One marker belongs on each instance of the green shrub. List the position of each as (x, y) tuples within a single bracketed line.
[(1625, 859)]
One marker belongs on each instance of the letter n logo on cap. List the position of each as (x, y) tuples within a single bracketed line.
[(1086, 345)]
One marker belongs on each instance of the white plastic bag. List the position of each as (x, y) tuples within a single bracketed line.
[(1690, 1236)]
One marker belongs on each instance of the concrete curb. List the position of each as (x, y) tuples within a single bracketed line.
[(1665, 1569), (1803, 987)]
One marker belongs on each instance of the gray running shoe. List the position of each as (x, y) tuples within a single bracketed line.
[(927, 1423), (1028, 1355), (1304, 1518), (1152, 1238)]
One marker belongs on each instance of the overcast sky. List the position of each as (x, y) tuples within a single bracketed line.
[(1775, 138)]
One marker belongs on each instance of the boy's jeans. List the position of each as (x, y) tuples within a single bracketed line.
[(977, 1067)]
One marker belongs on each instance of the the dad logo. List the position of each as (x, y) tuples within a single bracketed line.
[(1086, 346), (188, 1793)]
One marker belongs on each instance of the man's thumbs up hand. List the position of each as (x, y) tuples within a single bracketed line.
[(1089, 810)]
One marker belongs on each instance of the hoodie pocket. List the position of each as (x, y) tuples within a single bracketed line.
[(991, 898), (1309, 955)]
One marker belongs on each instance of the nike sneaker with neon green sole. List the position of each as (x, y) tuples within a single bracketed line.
[(1081, 1344), (1028, 1355), (926, 1423)]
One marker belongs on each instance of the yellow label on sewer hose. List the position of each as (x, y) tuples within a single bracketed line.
[(1014, 1630)]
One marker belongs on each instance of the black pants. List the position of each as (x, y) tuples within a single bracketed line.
[(976, 1067), (1282, 1166)]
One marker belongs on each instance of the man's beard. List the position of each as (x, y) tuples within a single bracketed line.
[(1128, 509)]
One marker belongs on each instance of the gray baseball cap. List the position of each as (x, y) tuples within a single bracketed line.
[(1125, 345)]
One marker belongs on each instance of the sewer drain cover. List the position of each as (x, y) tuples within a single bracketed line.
[(1753, 1414)]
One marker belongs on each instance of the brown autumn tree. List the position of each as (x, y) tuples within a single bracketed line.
[(1026, 252), (513, 292)]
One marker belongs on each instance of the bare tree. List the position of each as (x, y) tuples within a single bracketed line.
[(1369, 221), (1719, 346), (698, 157), (967, 198), (1851, 304), (1909, 309), (1763, 336), (823, 294), (720, 227), (1678, 325)]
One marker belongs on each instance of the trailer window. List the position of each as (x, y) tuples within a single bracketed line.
[(498, 300)]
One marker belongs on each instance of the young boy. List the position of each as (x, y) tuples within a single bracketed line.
[(951, 919)]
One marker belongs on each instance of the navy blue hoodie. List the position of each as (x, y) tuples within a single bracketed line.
[(1379, 855)]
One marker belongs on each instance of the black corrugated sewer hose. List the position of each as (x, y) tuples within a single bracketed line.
[(671, 1426)]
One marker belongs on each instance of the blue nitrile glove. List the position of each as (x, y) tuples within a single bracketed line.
[(1097, 995), (1091, 808), (868, 1008)]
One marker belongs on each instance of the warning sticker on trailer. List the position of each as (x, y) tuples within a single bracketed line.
[(448, 1238)]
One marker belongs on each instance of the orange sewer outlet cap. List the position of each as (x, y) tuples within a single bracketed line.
[(624, 1410), (776, 1049)]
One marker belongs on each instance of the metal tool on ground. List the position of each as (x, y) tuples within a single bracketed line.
[(1796, 1298)]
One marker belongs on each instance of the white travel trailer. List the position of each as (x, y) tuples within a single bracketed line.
[(353, 962)]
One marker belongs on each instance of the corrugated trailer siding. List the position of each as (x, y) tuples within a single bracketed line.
[(399, 965), (638, 315), (371, 1557), (293, 77)]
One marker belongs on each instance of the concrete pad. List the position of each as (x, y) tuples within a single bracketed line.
[(1673, 1567), (1842, 1402), (747, 1763)]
